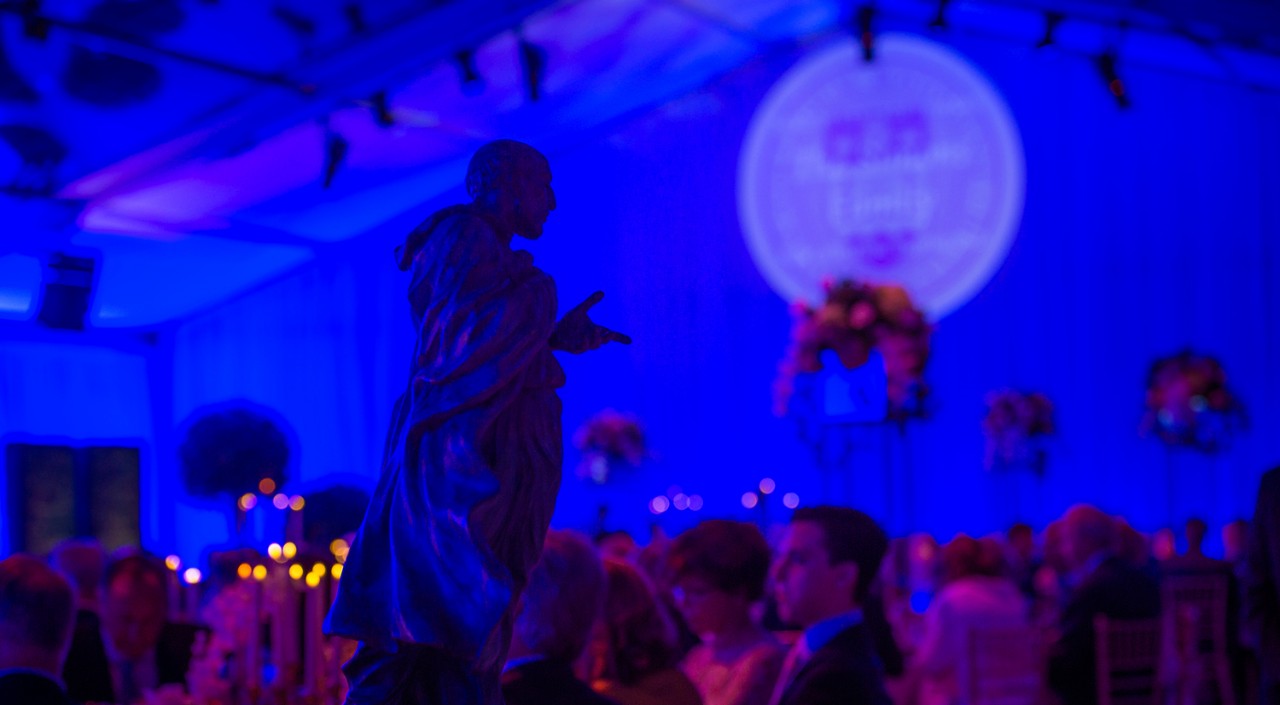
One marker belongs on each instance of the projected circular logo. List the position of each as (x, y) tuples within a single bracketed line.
[(907, 170)]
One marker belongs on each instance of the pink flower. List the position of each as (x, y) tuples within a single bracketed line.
[(862, 315)]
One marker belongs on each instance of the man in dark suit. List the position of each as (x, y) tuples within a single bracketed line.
[(1105, 584), (1262, 583), (132, 648), (557, 610), (35, 628), (822, 576)]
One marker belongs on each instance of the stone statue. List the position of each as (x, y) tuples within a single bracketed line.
[(473, 457)]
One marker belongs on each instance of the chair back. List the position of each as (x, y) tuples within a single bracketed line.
[(1128, 660), (1195, 610)]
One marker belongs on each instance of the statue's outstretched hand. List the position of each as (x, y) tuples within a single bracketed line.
[(577, 333)]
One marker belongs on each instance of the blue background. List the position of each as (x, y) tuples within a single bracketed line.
[(1145, 231)]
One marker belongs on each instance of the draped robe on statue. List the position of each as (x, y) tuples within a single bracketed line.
[(469, 477)]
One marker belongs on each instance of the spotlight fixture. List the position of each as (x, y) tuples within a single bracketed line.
[(335, 153), (296, 21), (866, 37), (1051, 21), (534, 60), (355, 17), (472, 83), (381, 109), (939, 20), (34, 25), (1106, 63)]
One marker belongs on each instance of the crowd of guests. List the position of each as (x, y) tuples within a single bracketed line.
[(835, 612), (82, 629)]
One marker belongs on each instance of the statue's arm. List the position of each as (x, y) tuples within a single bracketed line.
[(576, 333)]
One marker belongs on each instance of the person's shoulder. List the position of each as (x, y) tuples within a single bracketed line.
[(766, 650), (1270, 484), (849, 651), (673, 686), (844, 670), (21, 688)]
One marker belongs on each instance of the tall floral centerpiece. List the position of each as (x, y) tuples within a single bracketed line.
[(1188, 403), (1015, 425), (238, 453), (609, 440), (855, 319)]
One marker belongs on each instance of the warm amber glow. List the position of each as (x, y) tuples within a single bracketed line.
[(319, 568), (267, 485), (313, 580), (192, 576), (245, 571), (290, 550), (339, 549), (295, 571), (296, 503), (260, 572), (173, 562), (336, 572), (248, 502), (274, 551)]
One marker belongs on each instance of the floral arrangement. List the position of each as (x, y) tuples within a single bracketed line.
[(1188, 403), (855, 319), (231, 616), (1013, 424), (606, 440), (228, 452)]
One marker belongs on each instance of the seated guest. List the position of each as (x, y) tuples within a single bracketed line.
[(975, 594), (1104, 583), (134, 649), (822, 575), (82, 562), (637, 650), (558, 609), (719, 568), (36, 606), (619, 545), (1234, 537)]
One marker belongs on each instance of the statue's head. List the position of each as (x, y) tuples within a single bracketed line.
[(513, 181)]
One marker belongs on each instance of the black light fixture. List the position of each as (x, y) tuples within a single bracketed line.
[(355, 17), (1106, 63), (38, 154), (1051, 21), (300, 24), (381, 109), (335, 153), (534, 60), (468, 75), (939, 20), (866, 34), (34, 25), (67, 291)]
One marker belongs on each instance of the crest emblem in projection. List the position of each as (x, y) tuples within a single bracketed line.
[(907, 170)]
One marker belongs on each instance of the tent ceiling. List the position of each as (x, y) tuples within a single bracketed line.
[(187, 141)]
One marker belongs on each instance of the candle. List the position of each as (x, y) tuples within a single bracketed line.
[(289, 629), (276, 611), (253, 659), (314, 646)]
